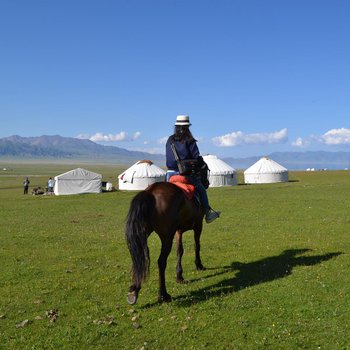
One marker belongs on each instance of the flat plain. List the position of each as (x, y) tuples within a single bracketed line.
[(277, 272)]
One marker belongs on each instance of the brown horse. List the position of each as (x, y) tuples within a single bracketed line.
[(162, 208)]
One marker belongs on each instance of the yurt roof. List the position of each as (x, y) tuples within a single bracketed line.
[(144, 168), (79, 174), (267, 166), (218, 166)]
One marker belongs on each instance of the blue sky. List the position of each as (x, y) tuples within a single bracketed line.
[(255, 76)]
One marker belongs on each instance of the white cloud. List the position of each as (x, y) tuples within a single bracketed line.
[(136, 135), (151, 150), (163, 140), (155, 150), (83, 136), (100, 137), (299, 142), (336, 137), (239, 138)]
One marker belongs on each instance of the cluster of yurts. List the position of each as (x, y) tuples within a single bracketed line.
[(144, 173), (265, 170)]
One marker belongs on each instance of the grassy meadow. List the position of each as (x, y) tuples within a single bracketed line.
[(277, 268)]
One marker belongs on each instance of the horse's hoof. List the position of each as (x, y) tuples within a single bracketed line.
[(201, 267), (181, 281), (165, 298), (132, 297)]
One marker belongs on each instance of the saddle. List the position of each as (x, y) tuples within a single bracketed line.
[(186, 187)]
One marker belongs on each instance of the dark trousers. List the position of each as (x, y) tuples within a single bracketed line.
[(25, 191), (196, 181)]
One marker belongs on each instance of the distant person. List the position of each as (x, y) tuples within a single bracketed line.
[(50, 184), (26, 183), (186, 148)]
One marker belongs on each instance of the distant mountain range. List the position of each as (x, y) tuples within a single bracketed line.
[(299, 160), (67, 148)]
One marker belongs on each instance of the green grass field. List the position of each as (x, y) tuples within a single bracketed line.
[(277, 269)]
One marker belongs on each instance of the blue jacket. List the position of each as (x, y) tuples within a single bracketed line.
[(186, 150)]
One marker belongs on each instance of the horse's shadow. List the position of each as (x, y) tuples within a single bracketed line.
[(249, 274), (253, 273)]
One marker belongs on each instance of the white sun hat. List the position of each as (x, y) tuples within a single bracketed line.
[(183, 120)]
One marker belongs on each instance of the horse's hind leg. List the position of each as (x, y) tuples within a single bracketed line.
[(134, 289), (197, 247), (139, 270), (179, 252), (133, 294), (162, 262)]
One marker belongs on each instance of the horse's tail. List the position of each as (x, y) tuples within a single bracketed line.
[(138, 227)]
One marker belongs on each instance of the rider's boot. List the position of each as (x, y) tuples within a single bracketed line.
[(211, 215)]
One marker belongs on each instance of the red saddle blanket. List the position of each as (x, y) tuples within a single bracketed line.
[(183, 183)]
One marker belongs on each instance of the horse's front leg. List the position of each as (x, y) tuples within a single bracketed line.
[(162, 262), (197, 246), (179, 253)]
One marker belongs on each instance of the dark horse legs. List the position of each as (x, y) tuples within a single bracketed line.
[(197, 247), (180, 251), (162, 262)]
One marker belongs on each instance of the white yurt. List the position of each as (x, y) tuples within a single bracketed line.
[(78, 181), (140, 175), (221, 174), (265, 170)]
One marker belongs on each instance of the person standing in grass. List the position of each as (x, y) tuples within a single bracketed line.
[(26, 183), (50, 184), (186, 148)]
